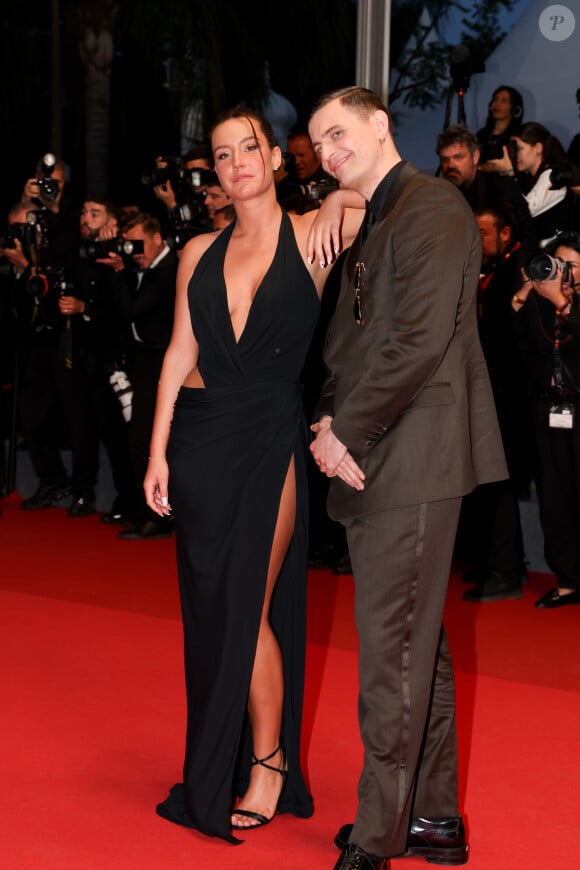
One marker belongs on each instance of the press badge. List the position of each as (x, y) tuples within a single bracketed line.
[(561, 416)]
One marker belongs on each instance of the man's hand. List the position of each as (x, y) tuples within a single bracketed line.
[(114, 260), (69, 305), (332, 457), (15, 256)]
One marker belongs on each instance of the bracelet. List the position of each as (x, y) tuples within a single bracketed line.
[(517, 301)]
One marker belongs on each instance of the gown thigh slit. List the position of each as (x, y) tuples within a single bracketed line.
[(230, 450)]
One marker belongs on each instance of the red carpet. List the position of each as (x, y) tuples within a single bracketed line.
[(93, 714)]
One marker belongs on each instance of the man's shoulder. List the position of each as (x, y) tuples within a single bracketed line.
[(434, 188)]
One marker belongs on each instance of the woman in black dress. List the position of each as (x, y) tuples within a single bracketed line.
[(229, 420)]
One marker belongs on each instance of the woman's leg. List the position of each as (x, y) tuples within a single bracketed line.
[(267, 683)]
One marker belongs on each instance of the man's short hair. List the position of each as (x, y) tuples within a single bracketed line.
[(503, 214), (361, 101), (151, 224), (458, 134)]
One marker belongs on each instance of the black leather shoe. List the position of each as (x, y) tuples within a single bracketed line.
[(83, 506), (553, 599), (147, 531), (438, 841), (117, 518), (494, 587), (353, 857), (45, 496)]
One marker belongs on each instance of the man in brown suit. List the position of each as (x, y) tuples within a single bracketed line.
[(406, 426)]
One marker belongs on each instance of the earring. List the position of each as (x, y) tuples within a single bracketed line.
[(382, 140)]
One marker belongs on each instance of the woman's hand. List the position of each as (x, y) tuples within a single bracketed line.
[(503, 164), (325, 239), (155, 486)]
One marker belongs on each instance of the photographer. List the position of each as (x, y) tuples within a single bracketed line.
[(490, 514), (55, 402), (180, 184), (538, 157), (459, 156), (546, 322), (111, 346), (14, 260), (143, 286)]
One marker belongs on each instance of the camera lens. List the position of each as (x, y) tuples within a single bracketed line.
[(542, 267)]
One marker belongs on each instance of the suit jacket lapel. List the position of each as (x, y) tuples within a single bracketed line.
[(406, 173)]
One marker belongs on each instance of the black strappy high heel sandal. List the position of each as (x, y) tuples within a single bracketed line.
[(259, 818)]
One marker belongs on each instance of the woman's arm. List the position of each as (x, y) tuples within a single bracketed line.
[(180, 358), (334, 226)]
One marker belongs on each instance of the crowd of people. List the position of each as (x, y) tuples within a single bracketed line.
[(179, 338), (524, 190)]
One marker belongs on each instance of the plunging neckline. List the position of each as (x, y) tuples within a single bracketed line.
[(258, 288)]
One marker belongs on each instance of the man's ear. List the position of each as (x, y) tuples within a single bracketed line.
[(382, 124), (505, 235)]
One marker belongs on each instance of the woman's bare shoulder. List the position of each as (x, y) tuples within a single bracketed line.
[(196, 247)]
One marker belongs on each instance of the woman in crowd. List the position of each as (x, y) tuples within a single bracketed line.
[(537, 152), (547, 325), (504, 119), (228, 452)]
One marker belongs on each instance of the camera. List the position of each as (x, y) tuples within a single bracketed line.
[(199, 177), (48, 186), (99, 249), (564, 176), (543, 267), (46, 288), (177, 175), (188, 220), (24, 232), (491, 151)]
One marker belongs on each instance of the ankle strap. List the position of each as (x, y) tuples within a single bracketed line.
[(262, 761)]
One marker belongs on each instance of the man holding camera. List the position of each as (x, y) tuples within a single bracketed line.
[(111, 343), (144, 299), (56, 383)]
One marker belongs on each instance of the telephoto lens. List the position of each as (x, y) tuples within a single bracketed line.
[(542, 267)]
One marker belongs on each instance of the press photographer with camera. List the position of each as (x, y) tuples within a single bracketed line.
[(544, 173), (459, 157), (100, 237), (180, 184), (143, 288), (490, 530), (546, 324), (55, 402)]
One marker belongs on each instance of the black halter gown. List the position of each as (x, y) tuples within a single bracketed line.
[(229, 451)]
